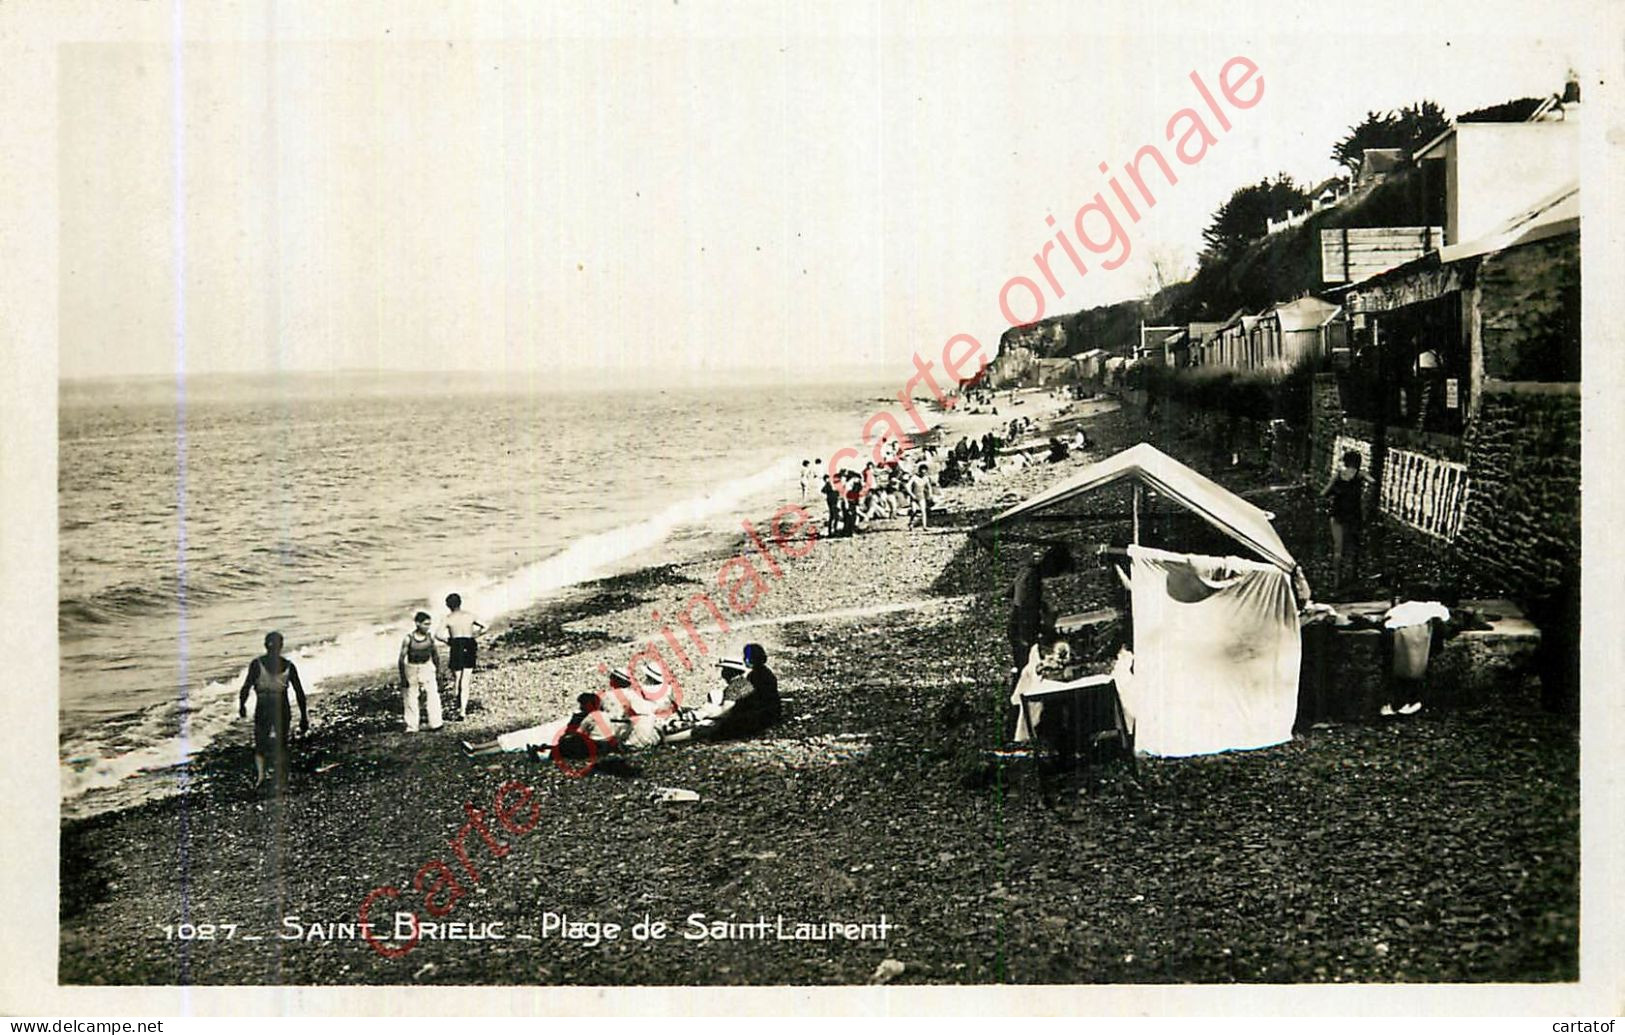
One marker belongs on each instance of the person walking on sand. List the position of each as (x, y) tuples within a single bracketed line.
[(461, 630), (269, 677), (806, 477), (419, 665), (1347, 491)]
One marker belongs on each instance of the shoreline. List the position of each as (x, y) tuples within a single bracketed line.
[(891, 658), (349, 695)]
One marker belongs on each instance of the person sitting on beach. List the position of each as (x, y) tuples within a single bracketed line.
[(269, 677), (420, 668), (589, 721), (461, 630), (873, 507), (750, 703), (1058, 450)]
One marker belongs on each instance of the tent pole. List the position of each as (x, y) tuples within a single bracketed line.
[(1137, 491)]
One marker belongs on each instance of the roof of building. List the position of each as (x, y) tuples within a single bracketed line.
[(1233, 320), (1152, 336), (1507, 111), (1557, 213), (1381, 160), (1305, 314)]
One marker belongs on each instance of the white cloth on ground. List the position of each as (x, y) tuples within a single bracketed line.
[(1216, 654), (544, 735), (1414, 612)]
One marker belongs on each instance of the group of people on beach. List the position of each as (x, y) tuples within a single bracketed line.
[(894, 487), (635, 717), (421, 668), (746, 703), (749, 699), (856, 499), (271, 676)]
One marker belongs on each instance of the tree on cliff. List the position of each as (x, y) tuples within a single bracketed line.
[(1244, 218), (1408, 128)]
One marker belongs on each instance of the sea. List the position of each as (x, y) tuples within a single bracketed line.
[(195, 516)]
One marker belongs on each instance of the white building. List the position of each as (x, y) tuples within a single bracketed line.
[(1492, 168)]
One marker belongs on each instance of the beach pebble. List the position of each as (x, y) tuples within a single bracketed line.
[(886, 971)]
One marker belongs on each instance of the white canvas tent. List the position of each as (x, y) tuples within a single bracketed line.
[(1151, 467), (1216, 647)]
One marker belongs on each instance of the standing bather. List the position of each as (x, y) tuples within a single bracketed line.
[(461, 630), (420, 668), (269, 677)]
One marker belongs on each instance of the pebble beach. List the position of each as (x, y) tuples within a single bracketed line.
[(879, 798)]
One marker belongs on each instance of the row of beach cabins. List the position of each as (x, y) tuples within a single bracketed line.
[(1306, 329), (1486, 186)]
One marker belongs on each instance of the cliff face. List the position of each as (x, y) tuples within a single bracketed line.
[(1114, 327)]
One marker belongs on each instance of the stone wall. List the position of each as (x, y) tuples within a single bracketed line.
[(1325, 425), (1521, 532), (1529, 308)]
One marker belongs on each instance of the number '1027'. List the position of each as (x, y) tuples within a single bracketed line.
[(198, 932)]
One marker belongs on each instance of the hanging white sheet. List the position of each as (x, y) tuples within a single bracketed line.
[(1216, 654)]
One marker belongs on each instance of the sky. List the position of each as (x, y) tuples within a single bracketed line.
[(678, 186)]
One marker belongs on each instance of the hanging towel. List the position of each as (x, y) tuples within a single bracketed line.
[(1216, 654)]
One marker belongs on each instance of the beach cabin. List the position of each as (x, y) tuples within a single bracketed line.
[(1301, 331), (1090, 364)]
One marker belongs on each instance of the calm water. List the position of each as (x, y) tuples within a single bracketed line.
[(331, 508)]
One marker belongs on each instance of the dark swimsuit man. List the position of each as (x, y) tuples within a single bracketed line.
[(752, 701), (461, 629)]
